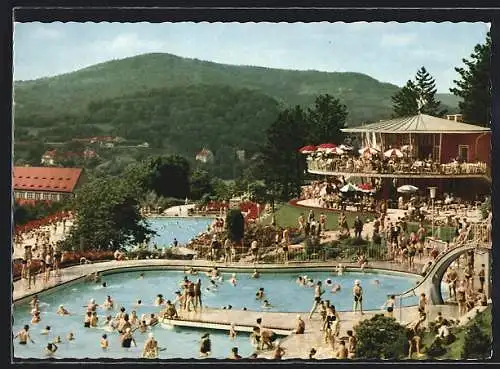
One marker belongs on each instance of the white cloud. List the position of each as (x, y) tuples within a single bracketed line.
[(403, 39)]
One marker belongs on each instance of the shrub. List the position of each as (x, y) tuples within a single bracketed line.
[(381, 337), (436, 349), (477, 344)]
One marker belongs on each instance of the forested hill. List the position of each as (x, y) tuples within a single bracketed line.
[(174, 102), (367, 98)]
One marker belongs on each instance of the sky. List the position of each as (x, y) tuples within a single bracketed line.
[(390, 52)]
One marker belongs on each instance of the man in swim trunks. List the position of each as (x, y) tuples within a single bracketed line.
[(318, 291), (357, 292), (205, 345), (24, 336), (150, 350)]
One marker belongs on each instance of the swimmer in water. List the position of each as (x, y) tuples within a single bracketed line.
[(24, 336), (141, 276), (50, 349), (104, 342), (138, 303), (71, 336), (336, 288), (328, 282), (376, 282), (260, 294), (299, 280), (62, 311), (255, 274), (159, 300), (36, 318), (266, 305), (104, 284), (108, 303), (340, 270), (46, 331), (57, 339), (233, 280)]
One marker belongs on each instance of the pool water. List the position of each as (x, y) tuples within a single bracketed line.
[(126, 288), (184, 229)]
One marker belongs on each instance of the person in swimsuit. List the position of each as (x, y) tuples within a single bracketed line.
[(232, 332), (389, 305), (342, 353), (127, 338), (62, 311), (260, 294), (24, 336), (462, 309), (50, 349), (71, 336), (301, 325), (36, 318), (205, 345), (318, 292), (255, 274), (279, 352), (234, 354), (312, 353), (357, 292), (88, 319), (150, 350), (104, 342), (351, 346), (481, 274)]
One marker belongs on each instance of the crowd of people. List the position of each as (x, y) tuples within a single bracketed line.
[(397, 161)]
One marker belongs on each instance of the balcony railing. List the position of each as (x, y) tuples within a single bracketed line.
[(415, 168)]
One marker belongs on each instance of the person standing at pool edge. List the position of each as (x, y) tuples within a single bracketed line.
[(318, 291), (357, 292)]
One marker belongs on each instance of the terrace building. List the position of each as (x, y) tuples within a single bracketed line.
[(33, 184), (422, 150)]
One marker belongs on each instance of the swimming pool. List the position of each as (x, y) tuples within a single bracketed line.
[(125, 288), (183, 229)]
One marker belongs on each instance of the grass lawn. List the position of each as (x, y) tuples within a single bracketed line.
[(287, 216), (454, 350)]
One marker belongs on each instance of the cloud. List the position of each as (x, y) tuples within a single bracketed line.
[(403, 39)]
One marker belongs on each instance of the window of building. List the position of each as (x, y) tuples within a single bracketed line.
[(46, 196), (54, 197), (37, 195), (463, 152), (30, 195)]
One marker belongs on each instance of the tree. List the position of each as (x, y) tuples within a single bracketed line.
[(405, 101), (417, 96), (107, 216), (426, 87), (381, 337), (474, 85), (326, 119), (170, 176), (282, 166), (235, 225), (201, 184)]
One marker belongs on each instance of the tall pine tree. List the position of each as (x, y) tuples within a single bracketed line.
[(326, 119), (474, 85), (426, 88), (405, 101), (282, 166), (422, 90)]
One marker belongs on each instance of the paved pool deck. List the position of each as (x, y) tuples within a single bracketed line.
[(296, 346)]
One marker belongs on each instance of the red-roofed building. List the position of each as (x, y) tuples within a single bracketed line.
[(45, 183)]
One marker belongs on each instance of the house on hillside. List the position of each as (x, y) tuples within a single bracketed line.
[(205, 156), (45, 183), (49, 157)]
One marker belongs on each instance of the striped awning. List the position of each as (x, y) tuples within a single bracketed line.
[(420, 123)]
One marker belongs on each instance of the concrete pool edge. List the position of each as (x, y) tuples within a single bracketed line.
[(113, 267)]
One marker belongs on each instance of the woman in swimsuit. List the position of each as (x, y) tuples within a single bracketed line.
[(389, 305)]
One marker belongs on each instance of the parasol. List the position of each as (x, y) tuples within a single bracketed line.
[(326, 147), (307, 149), (348, 188), (368, 151), (407, 189), (393, 152)]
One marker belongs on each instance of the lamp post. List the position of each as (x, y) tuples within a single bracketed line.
[(432, 193)]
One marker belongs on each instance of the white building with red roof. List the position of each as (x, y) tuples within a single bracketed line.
[(45, 183)]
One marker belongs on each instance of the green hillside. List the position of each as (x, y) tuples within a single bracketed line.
[(182, 104)]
